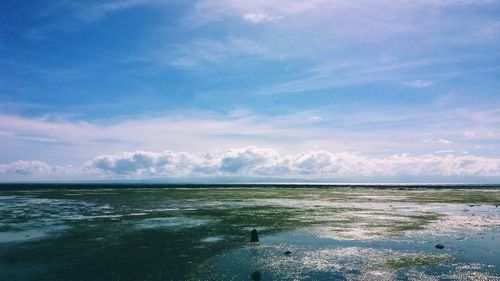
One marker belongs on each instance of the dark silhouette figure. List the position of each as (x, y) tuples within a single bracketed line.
[(440, 246), (255, 236), (255, 276)]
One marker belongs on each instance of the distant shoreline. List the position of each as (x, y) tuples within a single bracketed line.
[(403, 186)]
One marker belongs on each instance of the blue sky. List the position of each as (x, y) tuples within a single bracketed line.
[(317, 90)]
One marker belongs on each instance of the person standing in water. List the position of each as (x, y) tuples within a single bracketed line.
[(255, 236)]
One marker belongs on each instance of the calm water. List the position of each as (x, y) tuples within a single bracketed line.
[(92, 232)]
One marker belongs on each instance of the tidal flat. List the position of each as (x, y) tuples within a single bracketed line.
[(132, 232)]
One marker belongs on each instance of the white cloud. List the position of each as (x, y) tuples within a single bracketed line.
[(314, 118), (420, 84), (469, 133), (211, 10), (247, 160), (64, 141), (26, 168), (398, 33), (79, 13), (445, 152), (38, 170), (93, 12), (253, 161), (143, 163), (439, 141), (267, 162), (260, 17)]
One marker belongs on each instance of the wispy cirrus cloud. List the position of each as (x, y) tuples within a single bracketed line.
[(260, 17), (207, 10), (369, 132), (72, 16), (213, 52), (420, 83), (440, 141), (397, 32), (93, 12)]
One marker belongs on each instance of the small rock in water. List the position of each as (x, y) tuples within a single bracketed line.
[(255, 276), (288, 253), (440, 246), (255, 236)]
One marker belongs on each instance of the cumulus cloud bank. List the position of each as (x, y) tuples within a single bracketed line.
[(262, 162), (28, 170), (267, 162)]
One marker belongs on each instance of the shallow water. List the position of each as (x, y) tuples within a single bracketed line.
[(131, 233)]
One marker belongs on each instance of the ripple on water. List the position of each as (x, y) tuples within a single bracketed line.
[(82, 217), (172, 222), (258, 228), (29, 217), (212, 239), (31, 234)]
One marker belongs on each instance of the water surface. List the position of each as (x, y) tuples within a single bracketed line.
[(103, 232)]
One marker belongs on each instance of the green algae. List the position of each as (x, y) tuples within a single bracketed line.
[(491, 197), (414, 261), (417, 222)]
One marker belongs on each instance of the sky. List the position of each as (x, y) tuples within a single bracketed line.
[(379, 91)]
